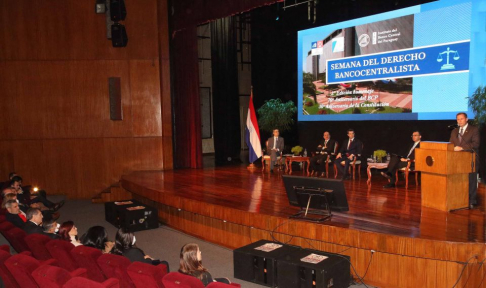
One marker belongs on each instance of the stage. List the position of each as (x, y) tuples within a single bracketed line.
[(403, 244)]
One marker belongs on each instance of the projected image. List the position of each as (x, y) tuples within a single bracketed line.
[(409, 64), (367, 97)]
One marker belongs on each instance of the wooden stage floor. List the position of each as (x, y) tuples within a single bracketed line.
[(234, 206)]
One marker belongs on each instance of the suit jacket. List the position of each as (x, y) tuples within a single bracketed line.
[(470, 140), (134, 254), (412, 155), (31, 228), (330, 148), (279, 146), (355, 147), (15, 219), (51, 235)]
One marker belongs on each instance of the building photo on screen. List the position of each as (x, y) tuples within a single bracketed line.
[(410, 64)]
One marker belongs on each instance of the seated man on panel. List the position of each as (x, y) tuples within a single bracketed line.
[(275, 145), (349, 152), (325, 151), (401, 161)]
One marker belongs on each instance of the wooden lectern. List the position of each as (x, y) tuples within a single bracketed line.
[(445, 182)]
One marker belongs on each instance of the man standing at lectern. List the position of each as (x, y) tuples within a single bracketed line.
[(466, 138), (275, 147)]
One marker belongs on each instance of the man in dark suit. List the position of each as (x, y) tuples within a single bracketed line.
[(34, 222), (350, 150), (466, 138), (50, 228), (401, 161), (14, 215), (325, 149), (275, 147)]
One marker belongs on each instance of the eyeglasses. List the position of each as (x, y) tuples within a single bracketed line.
[(415, 135)]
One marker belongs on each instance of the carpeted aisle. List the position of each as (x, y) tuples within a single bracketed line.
[(163, 243)]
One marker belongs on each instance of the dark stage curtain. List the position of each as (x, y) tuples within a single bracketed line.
[(226, 107), (189, 13), (187, 111)]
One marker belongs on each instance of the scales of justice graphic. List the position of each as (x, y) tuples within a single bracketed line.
[(448, 66)]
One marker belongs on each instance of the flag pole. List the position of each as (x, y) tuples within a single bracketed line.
[(252, 134)]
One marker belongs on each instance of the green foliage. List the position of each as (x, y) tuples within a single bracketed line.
[(379, 154), (275, 114), (296, 150), (477, 102), (308, 85)]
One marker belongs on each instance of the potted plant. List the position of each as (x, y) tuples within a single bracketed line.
[(297, 150), (379, 154), (477, 103), (275, 114)]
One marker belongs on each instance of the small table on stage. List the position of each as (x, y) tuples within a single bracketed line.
[(289, 160), (372, 165)]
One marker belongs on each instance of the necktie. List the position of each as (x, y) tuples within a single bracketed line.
[(22, 217), (275, 142), (349, 143), (325, 144), (460, 134)]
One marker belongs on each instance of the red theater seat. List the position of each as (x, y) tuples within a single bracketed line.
[(7, 278), (222, 285), (145, 275), (86, 258), (16, 238), (21, 267), (80, 282), (48, 276), (115, 266), (37, 245), (5, 226), (179, 280), (61, 251)]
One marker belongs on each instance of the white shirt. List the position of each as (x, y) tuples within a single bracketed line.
[(349, 142), (275, 139), (413, 147), (463, 129)]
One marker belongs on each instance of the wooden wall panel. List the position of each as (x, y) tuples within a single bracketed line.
[(55, 127), (70, 29), (146, 106)]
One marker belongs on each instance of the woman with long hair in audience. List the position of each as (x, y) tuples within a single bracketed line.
[(69, 232), (125, 246), (191, 264), (97, 237)]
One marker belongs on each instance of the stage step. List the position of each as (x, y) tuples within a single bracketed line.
[(113, 193)]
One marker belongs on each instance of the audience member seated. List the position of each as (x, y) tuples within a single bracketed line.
[(34, 222), (349, 151), (69, 232), (191, 264), (97, 237), (50, 229), (29, 197), (125, 246), (325, 150), (401, 161), (14, 215)]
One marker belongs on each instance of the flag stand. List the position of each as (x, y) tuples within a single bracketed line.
[(251, 166)]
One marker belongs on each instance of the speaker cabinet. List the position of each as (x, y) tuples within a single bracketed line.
[(123, 214), (119, 36), (253, 265), (334, 271), (118, 11)]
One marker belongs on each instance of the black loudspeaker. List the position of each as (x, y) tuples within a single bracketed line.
[(259, 266), (119, 36), (132, 215), (118, 11), (334, 271)]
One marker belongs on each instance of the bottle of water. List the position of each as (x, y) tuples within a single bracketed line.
[(388, 157), (305, 152)]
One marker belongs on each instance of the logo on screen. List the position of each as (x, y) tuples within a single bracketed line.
[(320, 44), (314, 45), (364, 40), (338, 44)]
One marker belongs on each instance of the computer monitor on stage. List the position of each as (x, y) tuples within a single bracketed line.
[(299, 189)]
